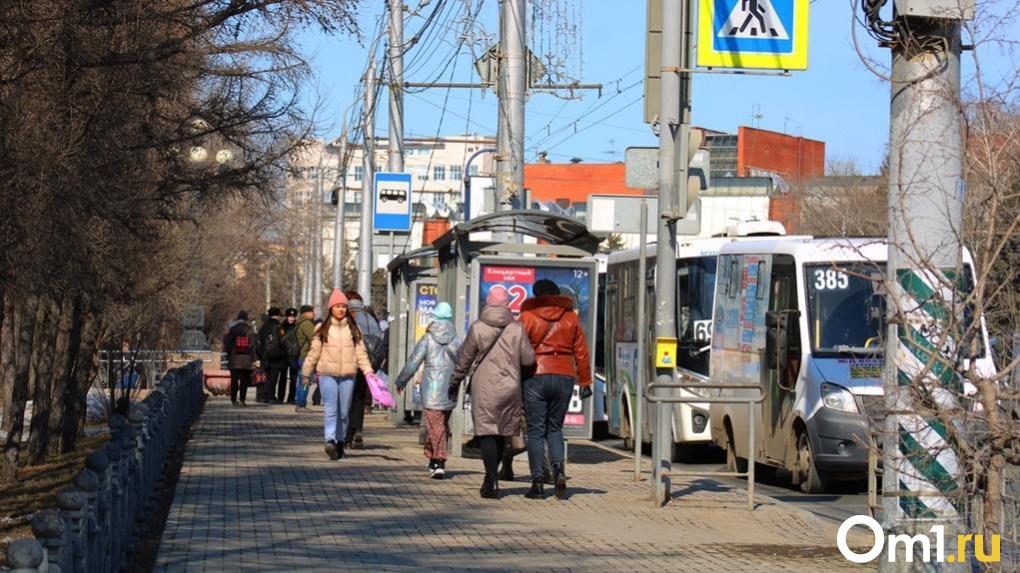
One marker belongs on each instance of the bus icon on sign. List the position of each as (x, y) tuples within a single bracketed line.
[(395, 195)]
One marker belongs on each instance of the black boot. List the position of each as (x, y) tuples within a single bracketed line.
[(490, 489), (536, 491), (506, 471), (561, 481), (340, 452), (332, 450)]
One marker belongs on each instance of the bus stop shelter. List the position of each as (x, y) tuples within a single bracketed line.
[(491, 252), (412, 279)]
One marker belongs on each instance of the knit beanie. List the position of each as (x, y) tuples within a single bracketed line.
[(337, 297), (443, 311)]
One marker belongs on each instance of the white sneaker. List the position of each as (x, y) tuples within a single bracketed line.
[(432, 470), (438, 473)]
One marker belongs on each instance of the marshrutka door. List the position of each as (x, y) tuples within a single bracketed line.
[(777, 408)]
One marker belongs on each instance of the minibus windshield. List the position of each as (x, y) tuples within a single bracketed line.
[(846, 307)]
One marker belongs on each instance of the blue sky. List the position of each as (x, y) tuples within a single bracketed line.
[(837, 100)]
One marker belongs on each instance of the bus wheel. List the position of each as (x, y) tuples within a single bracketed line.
[(811, 480), (733, 463)]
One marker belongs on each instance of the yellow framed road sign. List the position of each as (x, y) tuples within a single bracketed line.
[(761, 34)]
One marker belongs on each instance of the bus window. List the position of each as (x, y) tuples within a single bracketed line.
[(696, 293)]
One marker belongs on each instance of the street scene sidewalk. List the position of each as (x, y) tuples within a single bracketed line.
[(257, 493)]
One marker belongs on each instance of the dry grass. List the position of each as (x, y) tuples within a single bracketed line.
[(37, 488)]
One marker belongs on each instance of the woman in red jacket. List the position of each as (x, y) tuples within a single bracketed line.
[(561, 360)]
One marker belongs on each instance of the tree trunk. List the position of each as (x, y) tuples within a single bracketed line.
[(8, 340), (65, 359), (80, 381), (42, 398), (14, 414)]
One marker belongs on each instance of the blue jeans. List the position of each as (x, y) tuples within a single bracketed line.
[(301, 392), (336, 405), (546, 398)]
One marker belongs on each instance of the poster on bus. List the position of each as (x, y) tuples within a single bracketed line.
[(576, 279)]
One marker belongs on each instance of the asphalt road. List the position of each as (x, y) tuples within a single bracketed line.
[(845, 499)]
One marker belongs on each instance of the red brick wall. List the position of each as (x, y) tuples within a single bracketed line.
[(785, 210), (434, 228), (574, 182), (797, 158)]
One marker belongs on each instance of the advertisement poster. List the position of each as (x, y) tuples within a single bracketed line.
[(573, 282), (424, 305)]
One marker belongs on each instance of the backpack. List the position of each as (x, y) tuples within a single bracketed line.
[(272, 344), (290, 343), (242, 344)]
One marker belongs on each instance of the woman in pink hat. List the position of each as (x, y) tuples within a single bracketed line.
[(337, 352)]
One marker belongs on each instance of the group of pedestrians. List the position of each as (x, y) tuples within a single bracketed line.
[(520, 375), (293, 351), (529, 365)]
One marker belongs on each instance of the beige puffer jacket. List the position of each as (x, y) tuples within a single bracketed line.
[(339, 356)]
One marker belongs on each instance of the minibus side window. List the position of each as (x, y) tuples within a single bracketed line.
[(784, 297)]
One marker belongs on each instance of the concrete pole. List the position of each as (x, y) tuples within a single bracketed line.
[(925, 226), (512, 90), (366, 260), (670, 146), (338, 220), (395, 153), (317, 237)]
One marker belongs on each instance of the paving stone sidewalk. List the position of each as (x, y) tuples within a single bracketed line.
[(257, 493)]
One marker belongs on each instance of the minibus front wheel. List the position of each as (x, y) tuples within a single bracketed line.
[(810, 478)]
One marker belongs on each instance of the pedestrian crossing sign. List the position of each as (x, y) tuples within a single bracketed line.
[(761, 34)]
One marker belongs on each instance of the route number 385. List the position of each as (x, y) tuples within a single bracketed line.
[(831, 279)]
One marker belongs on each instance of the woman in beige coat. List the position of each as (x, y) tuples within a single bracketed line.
[(336, 354), (496, 347)]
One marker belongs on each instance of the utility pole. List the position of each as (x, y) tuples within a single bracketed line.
[(338, 223), (674, 130), (395, 153), (921, 474), (511, 89), (317, 236), (366, 260), (395, 156)]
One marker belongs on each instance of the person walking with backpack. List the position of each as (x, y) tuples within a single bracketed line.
[(336, 355), (373, 344), (239, 344), (289, 332), (562, 360), (273, 356), (305, 332), (438, 350), (493, 353)]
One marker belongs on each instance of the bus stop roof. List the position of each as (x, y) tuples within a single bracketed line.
[(406, 258), (550, 227)]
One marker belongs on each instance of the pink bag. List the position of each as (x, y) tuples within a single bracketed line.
[(379, 386)]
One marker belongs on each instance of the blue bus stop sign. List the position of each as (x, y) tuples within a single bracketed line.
[(392, 202)]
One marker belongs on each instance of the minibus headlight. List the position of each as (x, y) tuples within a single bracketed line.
[(838, 398)]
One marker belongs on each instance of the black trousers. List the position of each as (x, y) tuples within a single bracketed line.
[(358, 403), (291, 374), (277, 383), (239, 381), (492, 448)]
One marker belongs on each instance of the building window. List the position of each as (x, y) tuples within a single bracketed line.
[(456, 172), (439, 172), (359, 172), (421, 173), (474, 170)]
